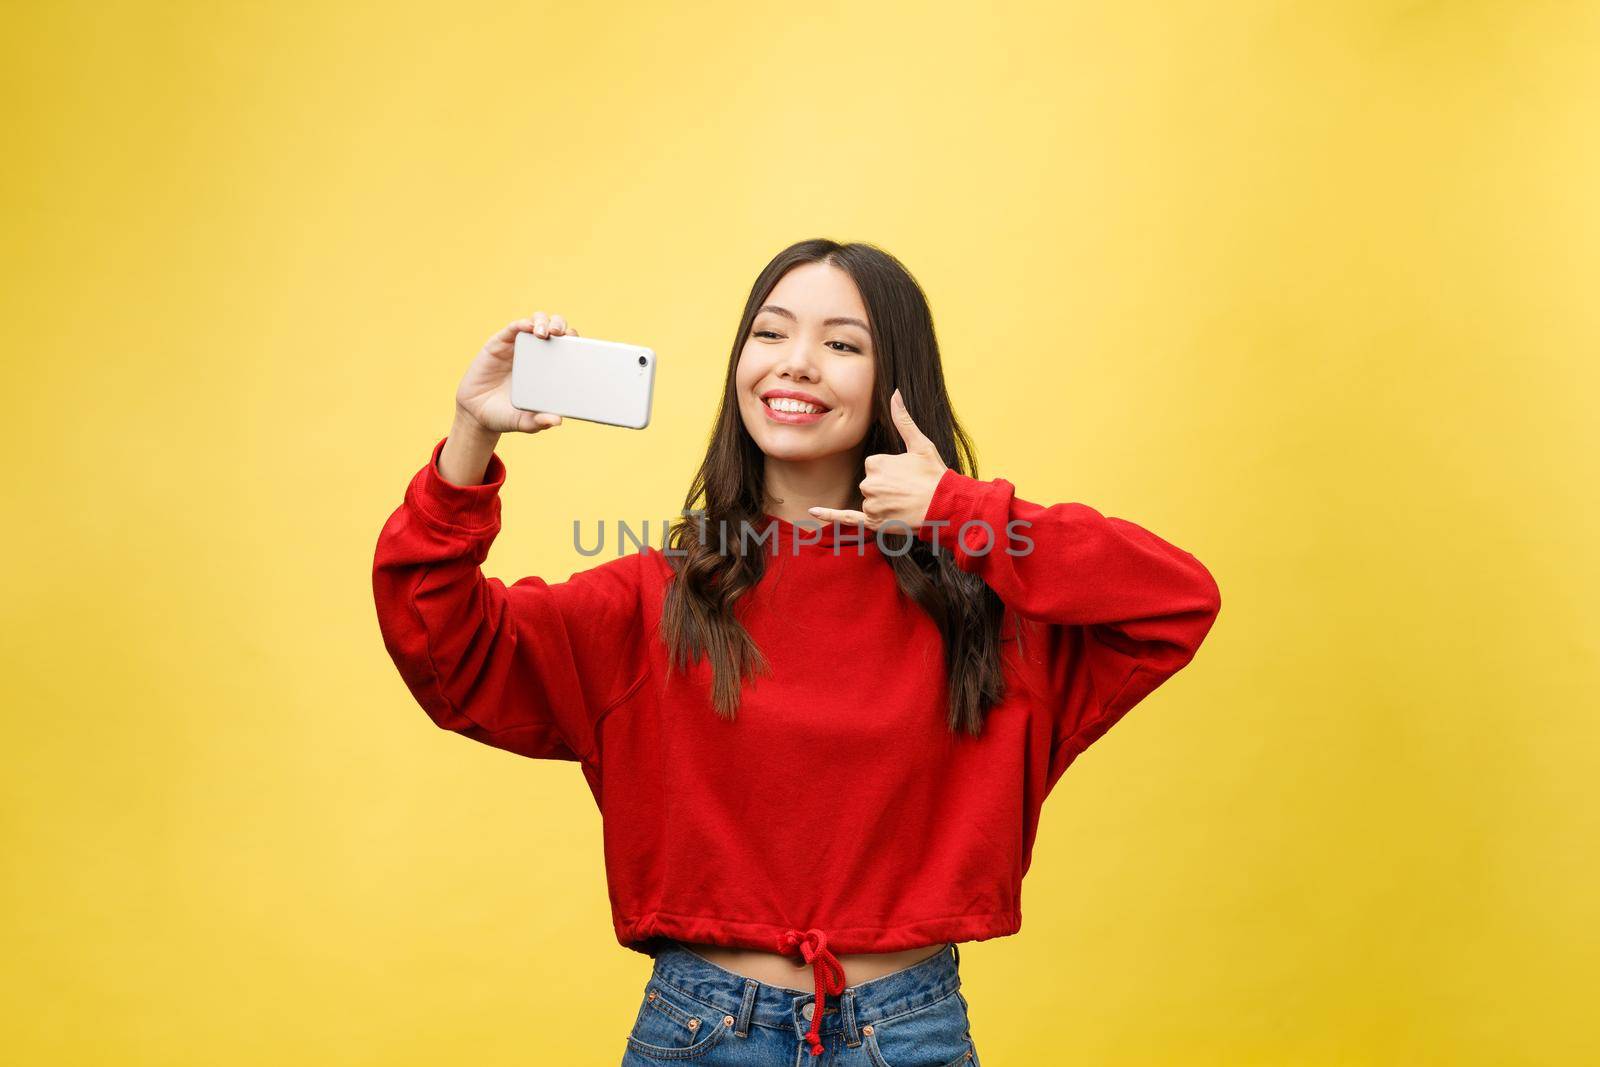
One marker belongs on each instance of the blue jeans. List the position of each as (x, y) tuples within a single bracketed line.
[(695, 1011)]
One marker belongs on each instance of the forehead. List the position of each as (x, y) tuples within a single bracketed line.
[(818, 291)]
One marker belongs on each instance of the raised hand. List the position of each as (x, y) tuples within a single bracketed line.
[(899, 485), (484, 395)]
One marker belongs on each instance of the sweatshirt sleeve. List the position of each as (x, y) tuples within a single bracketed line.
[(527, 667), (1122, 610)]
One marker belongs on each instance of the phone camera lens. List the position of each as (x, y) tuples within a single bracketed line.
[(641, 361)]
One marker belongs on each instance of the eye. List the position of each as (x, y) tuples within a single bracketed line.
[(772, 333)]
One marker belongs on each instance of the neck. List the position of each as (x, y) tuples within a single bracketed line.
[(792, 486)]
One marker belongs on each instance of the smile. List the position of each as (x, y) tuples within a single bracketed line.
[(792, 411), (797, 407)]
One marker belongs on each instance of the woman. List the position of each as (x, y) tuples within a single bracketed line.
[(819, 722)]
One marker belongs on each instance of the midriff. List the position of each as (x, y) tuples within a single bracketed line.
[(777, 970)]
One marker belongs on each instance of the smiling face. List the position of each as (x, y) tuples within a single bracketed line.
[(805, 374)]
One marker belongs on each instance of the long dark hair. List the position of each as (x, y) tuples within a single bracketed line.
[(728, 491)]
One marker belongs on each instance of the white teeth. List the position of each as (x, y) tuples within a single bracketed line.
[(783, 403)]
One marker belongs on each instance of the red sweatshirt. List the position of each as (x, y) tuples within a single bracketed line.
[(837, 812)]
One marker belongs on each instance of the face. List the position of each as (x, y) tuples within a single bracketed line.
[(809, 342)]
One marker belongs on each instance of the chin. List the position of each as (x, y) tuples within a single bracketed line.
[(794, 453)]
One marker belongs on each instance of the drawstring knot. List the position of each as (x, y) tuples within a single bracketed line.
[(813, 945)]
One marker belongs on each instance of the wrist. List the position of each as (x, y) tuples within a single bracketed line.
[(468, 430)]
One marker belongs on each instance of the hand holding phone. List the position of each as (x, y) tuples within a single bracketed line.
[(584, 378), (483, 398)]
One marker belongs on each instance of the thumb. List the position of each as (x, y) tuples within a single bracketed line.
[(915, 439), (534, 421)]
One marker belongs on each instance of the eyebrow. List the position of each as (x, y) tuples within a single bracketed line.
[(836, 321)]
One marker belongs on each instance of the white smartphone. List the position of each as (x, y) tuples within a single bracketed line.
[(583, 378)]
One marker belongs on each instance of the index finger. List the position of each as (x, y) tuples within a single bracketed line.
[(515, 327), (848, 518)]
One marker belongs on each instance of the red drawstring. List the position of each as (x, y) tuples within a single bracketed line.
[(827, 969)]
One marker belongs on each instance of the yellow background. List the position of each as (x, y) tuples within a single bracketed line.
[(1308, 289)]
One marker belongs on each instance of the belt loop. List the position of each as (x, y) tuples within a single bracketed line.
[(741, 1026), (852, 1037), (955, 948)]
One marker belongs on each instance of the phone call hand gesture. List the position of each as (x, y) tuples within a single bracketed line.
[(484, 395)]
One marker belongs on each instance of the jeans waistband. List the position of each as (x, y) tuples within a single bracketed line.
[(752, 1002)]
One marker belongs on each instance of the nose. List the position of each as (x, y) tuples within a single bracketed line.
[(797, 363)]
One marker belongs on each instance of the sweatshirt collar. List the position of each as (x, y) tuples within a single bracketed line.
[(815, 536)]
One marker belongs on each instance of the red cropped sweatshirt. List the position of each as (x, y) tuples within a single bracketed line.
[(837, 813)]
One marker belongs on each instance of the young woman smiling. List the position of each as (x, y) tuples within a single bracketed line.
[(820, 723)]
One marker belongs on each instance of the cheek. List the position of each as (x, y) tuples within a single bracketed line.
[(749, 370), (854, 387)]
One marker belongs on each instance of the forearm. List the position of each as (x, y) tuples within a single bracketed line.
[(1073, 565), (466, 452)]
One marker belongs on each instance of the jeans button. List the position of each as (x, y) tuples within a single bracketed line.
[(808, 1010)]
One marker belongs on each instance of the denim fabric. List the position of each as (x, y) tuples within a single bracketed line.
[(694, 1011)]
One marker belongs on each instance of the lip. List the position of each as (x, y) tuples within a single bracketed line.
[(793, 418)]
